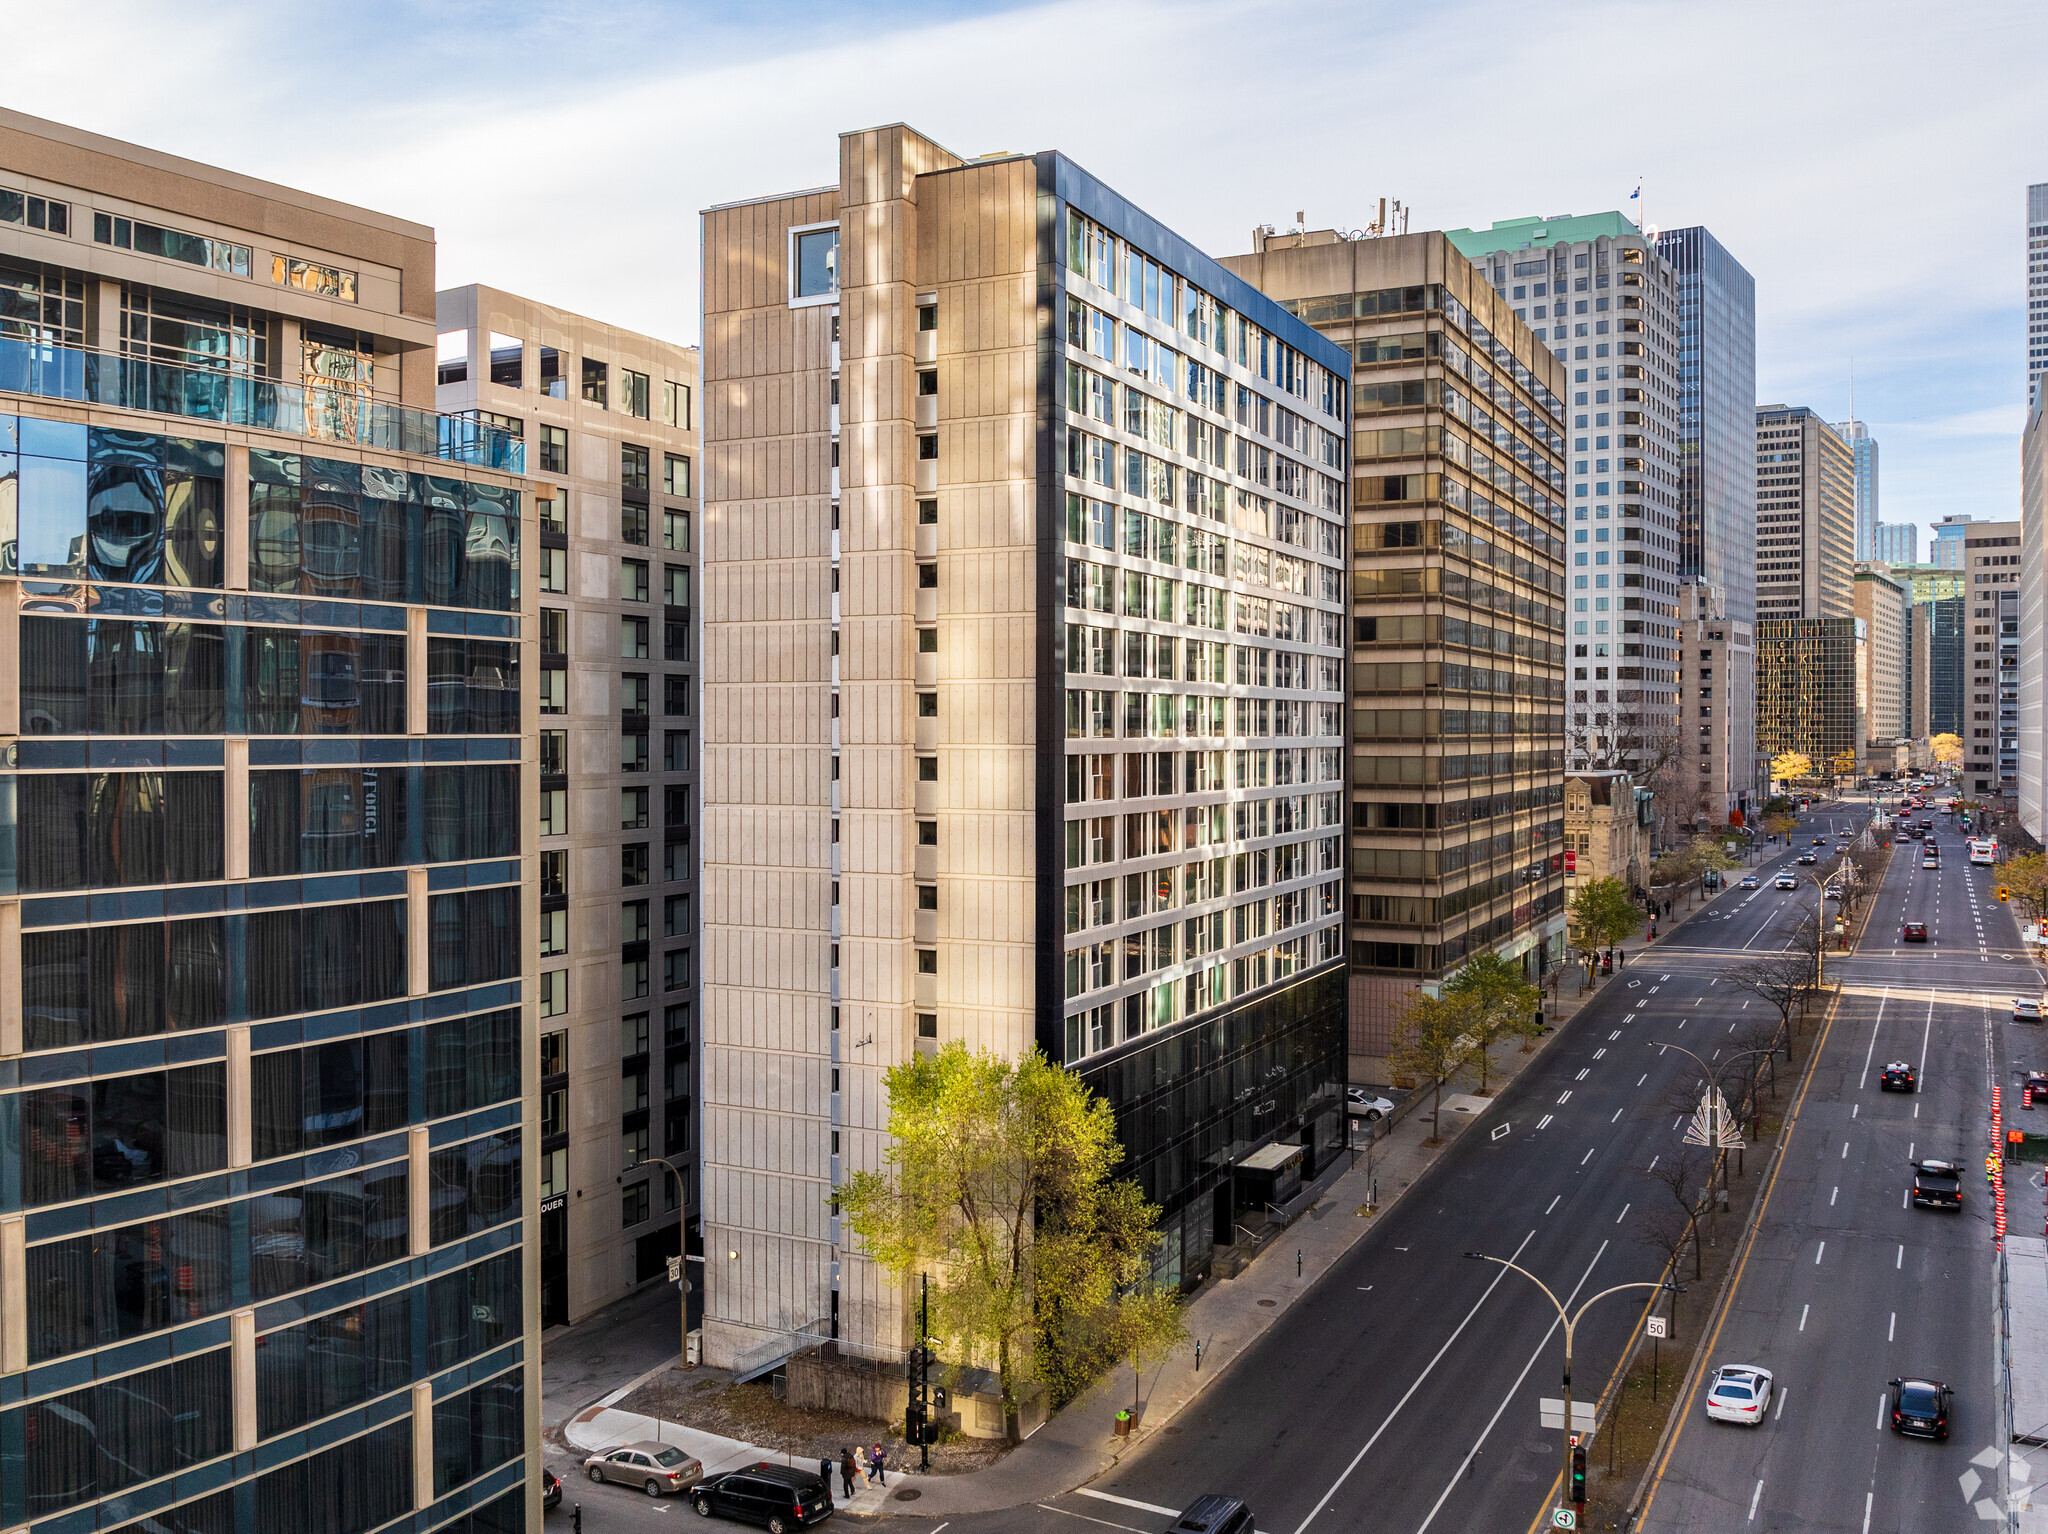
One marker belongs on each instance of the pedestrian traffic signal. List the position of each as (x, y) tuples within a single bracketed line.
[(1579, 1473)]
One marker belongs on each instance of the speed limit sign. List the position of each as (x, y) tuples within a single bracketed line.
[(1657, 1326)]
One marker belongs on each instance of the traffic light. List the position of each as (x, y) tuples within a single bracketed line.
[(2003, 892), (1578, 1472)]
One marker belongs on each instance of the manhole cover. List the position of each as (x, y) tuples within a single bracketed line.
[(908, 1494), (1269, 1304)]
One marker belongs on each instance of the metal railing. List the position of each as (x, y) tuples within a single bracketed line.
[(340, 412)]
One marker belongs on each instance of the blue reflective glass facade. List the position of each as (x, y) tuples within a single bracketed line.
[(263, 1011)]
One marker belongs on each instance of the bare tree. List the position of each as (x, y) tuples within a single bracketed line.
[(1781, 979), (1684, 1176)]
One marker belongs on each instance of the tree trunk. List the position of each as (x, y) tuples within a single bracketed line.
[(1011, 1429)]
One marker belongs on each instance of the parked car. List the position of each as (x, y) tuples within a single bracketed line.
[(1913, 932), (1361, 1103), (550, 1488), (778, 1497), (656, 1468), (1922, 1408), (1213, 1514), (1739, 1393)]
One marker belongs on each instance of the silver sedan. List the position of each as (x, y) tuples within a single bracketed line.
[(656, 1468)]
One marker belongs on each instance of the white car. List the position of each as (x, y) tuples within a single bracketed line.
[(1739, 1393), (1360, 1103), (2025, 1010), (1786, 882)]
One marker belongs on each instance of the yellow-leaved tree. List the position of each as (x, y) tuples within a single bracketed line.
[(1787, 765), (1948, 749)]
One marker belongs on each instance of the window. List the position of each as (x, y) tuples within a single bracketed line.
[(596, 377), (927, 316), (554, 812), (927, 382), (633, 694), (633, 981), (286, 271), (552, 383), (633, 922), (633, 394), (554, 934), (675, 531), (46, 213), (554, 992), (633, 580), (633, 864), (675, 585), (633, 523), (928, 447), (554, 449), (554, 692), (554, 631), (553, 512), (632, 638), (814, 264), (675, 640), (633, 1143), (554, 1054), (554, 571), (633, 809), (675, 916), (632, 468), (675, 696), (675, 970), (508, 360), (451, 357), (675, 405), (675, 475), (632, 753), (554, 873), (633, 1202), (675, 751)]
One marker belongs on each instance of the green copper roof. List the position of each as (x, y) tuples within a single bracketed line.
[(1518, 233)]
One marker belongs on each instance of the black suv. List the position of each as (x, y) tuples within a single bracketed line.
[(1921, 1408), (1937, 1185), (781, 1497), (1214, 1515)]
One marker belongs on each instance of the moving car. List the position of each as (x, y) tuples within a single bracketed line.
[(1820, 841), (1807, 857), (550, 1488), (779, 1497), (1749, 881), (1361, 1103), (656, 1468), (2026, 1009), (1739, 1393), (1913, 932), (1921, 1408), (1937, 1185), (1897, 1077), (1787, 881), (1214, 1515)]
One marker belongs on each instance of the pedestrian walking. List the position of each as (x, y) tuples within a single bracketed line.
[(1621, 958), (846, 1471), (880, 1464)]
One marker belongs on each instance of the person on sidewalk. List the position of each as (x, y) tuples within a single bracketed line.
[(1621, 958), (846, 1468), (878, 1462)]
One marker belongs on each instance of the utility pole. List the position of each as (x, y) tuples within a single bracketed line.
[(924, 1365)]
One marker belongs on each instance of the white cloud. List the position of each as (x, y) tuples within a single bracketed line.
[(1866, 162)]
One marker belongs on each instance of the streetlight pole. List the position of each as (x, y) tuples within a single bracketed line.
[(924, 1365), (1571, 1323), (682, 1252), (1716, 1102)]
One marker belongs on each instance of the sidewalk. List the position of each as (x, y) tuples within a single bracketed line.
[(1227, 1317)]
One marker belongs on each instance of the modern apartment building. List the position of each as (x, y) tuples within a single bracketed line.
[(608, 418), (1717, 500), (1896, 543), (2030, 722), (2007, 710), (2037, 289), (1805, 516), (1884, 608), (1945, 550), (1612, 306), (1459, 611), (1024, 721), (1863, 449), (1720, 781), (266, 1021), (1991, 557)]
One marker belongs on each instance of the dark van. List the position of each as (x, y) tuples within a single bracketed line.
[(1215, 1515), (782, 1498)]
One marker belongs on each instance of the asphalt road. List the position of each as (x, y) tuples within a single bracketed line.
[(1846, 1285)]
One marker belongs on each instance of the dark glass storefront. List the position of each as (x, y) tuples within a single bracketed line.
[(1194, 1101)]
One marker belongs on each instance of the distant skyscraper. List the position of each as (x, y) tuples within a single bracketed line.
[(2037, 286), (1716, 417), (1805, 491), (1864, 446), (1896, 543), (1946, 549)]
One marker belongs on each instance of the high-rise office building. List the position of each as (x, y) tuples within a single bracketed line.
[(1945, 549), (1896, 543), (1805, 516), (1716, 417), (1611, 303), (266, 1019), (1884, 608), (1459, 611), (2037, 288), (1024, 616), (1716, 714), (1863, 447), (1940, 665), (1992, 565), (608, 417), (2030, 707), (1807, 671)]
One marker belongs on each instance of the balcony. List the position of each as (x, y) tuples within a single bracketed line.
[(341, 413)]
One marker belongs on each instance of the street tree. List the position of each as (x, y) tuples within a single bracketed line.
[(999, 1183), (2026, 878), (1436, 1044), (1685, 1178), (1780, 824), (1602, 914), (1948, 749), (1779, 979), (1507, 1006), (1787, 766)]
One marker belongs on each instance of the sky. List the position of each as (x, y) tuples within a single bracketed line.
[(1868, 163)]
